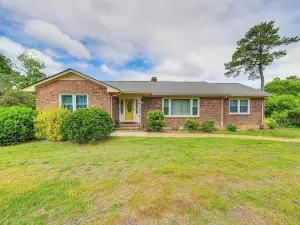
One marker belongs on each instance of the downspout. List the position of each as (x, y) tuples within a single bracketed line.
[(263, 111), (222, 111)]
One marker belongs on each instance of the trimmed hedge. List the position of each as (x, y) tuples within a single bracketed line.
[(16, 125), (208, 126), (87, 125), (48, 124), (155, 121), (191, 125)]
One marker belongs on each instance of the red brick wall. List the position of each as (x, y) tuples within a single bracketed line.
[(48, 95), (254, 118), (115, 108), (210, 109), (148, 105)]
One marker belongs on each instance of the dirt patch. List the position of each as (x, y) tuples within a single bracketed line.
[(245, 216)]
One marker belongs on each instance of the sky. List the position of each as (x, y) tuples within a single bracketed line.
[(177, 40)]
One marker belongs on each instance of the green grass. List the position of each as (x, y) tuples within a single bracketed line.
[(151, 181), (277, 133)]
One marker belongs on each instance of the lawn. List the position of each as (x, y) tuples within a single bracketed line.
[(151, 181), (277, 133)]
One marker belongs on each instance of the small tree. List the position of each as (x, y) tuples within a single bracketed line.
[(32, 69), (254, 52)]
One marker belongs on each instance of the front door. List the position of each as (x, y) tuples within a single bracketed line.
[(129, 110)]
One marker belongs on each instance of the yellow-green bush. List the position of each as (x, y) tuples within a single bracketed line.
[(47, 124)]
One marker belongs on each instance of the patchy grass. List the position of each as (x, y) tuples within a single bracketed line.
[(151, 181), (277, 133)]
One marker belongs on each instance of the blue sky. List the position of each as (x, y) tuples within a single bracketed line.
[(137, 39)]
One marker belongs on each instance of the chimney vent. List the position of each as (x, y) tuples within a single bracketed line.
[(153, 79)]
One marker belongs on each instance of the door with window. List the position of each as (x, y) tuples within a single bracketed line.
[(129, 110)]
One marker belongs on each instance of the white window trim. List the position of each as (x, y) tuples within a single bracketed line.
[(191, 107), (238, 106), (73, 99)]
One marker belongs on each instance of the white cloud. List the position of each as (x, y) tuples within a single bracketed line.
[(53, 36), (184, 40), (12, 49), (83, 65), (104, 68)]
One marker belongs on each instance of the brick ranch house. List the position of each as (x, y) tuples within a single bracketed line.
[(130, 101)]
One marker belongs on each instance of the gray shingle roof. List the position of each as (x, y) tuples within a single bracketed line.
[(187, 88)]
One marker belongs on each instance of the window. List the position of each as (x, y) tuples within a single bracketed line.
[(166, 106), (73, 102), (181, 107), (239, 106), (122, 106), (195, 107), (136, 106)]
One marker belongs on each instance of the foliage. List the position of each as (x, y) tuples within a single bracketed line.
[(155, 121), (281, 118), (32, 68), (280, 87), (256, 51), (231, 127), (116, 123), (293, 117), (208, 126), (16, 125), (13, 97), (5, 73), (191, 125), (48, 124), (280, 103), (89, 124), (272, 124)]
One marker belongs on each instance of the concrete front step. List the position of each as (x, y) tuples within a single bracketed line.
[(128, 128)]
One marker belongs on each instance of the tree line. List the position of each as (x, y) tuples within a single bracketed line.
[(16, 75)]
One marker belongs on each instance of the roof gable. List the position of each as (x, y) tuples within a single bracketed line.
[(68, 74)]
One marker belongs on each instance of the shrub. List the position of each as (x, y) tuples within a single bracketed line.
[(280, 103), (231, 127), (191, 125), (155, 121), (281, 118), (116, 123), (208, 126), (87, 125), (47, 124), (272, 124), (293, 117), (16, 125)]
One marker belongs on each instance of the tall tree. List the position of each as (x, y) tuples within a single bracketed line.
[(8, 77), (32, 69), (256, 51)]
